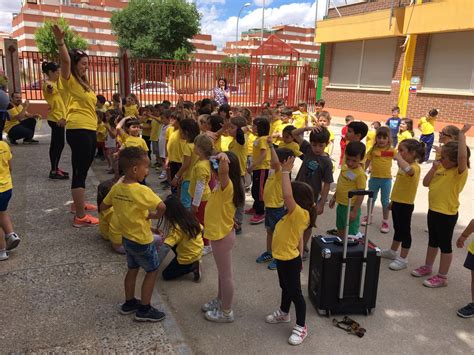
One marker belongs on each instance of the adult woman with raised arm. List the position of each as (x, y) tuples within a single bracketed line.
[(81, 125)]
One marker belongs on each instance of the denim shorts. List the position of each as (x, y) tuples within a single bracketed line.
[(272, 216), (141, 255), (5, 199)]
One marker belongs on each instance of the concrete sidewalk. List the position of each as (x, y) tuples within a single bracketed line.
[(62, 286)]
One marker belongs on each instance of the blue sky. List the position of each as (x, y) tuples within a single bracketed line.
[(219, 17)]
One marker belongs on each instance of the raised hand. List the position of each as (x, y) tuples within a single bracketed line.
[(287, 165), (58, 33)]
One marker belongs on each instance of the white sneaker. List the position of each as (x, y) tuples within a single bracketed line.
[(278, 317), (162, 175), (219, 316), (12, 241), (298, 335), (206, 250), (398, 264), (389, 254), (211, 305), (3, 255)]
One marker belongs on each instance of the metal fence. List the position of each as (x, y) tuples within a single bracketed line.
[(250, 85), (155, 80), (103, 74)]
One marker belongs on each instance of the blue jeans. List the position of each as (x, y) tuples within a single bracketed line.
[(141, 255), (385, 186), (428, 139), (185, 197)]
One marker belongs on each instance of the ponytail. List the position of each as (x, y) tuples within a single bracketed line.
[(412, 145), (304, 197)]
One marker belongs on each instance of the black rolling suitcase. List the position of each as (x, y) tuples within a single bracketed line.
[(343, 278)]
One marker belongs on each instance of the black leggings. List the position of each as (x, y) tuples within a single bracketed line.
[(148, 144), (82, 143), (25, 129), (259, 177), (289, 276), (57, 144), (175, 269), (174, 168), (440, 230), (401, 216)]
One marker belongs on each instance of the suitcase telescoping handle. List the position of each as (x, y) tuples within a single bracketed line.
[(370, 201)]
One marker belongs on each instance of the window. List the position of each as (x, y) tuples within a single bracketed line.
[(363, 64), (450, 62)]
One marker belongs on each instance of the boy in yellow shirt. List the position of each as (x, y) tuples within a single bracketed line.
[(352, 177), (132, 203), (427, 128), (8, 238), (273, 199), (146, 120), (301, 117), (324, 120), (128, 132)]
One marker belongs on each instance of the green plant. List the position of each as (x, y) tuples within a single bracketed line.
[(46, 42), (156, 28)]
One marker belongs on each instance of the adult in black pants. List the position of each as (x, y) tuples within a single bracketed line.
[(81, 125), (56, 118), (21, 124)]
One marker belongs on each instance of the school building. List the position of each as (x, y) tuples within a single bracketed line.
[(417, 54)]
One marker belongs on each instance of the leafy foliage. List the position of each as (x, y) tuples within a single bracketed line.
[(156, 28), (46, 42)]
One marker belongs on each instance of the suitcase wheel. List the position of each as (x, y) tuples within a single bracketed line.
[(328, 313), (368, 311)]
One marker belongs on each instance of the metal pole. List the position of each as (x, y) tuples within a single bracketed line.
[(236, 40), (261, 56)]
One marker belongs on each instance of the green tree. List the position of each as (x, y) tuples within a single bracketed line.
[(46, 42), (156, 28)]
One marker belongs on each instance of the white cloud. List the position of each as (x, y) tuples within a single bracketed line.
[(223, 30), (260, 2), (7, 7)]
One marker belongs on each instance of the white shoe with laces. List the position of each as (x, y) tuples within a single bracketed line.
[(220, 316), (278, 317), (206, 250), (12, 241), (298, 335), (211, 305), (389, 254)]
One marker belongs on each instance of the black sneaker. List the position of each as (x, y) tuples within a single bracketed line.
[(12, 141), (238, 231), (197, 271), (130, 306), (467, 311), (149, 314), (55, 176), (30, 141)]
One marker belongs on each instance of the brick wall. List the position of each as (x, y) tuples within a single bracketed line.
[(371, 5)]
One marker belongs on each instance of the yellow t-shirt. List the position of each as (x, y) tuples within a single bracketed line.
[(132, 203), (381, 162), (404, 189), (217, 144), (104, 223), (146, 126), (219, 213), (401, 136), (131, 110), (131, 141), (80, 110), (273, 191), (201, 171), (174, 146), (225, 142), (470, 248), (188, 151), (427, 125), (370, 140), (444, 190), (101, 132), (155, 130), (12, 122), (188, 249), (331, 140), (293, 146), (288, 232), (349, 179), (259, 144), (250, 140), (240, 150), (276, 127), (300, 119), (5, 174), (57, 109)]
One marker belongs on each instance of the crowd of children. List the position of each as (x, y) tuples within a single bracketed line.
[(209, 155)]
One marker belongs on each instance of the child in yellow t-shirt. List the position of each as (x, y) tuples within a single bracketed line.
[(101, 135), (410, 153), (238, 146), (406, 130), (352, 177), (185, 238), (219, 229), (446, 180), (273, 199), (380, 159), (8, 238), (146, 120), (448, 134), (324, 120), (468, 310), (106, 229), (289, 142), (131, 106), (287, 249), (174, 148), (370, 138), (128, 133), (259, 168), (276, 127), (301, 117), (427, 128), (134, 205)]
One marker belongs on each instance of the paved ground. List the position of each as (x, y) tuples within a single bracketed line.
[(64, 285)]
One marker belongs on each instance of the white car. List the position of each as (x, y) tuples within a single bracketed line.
[(153, 87)]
